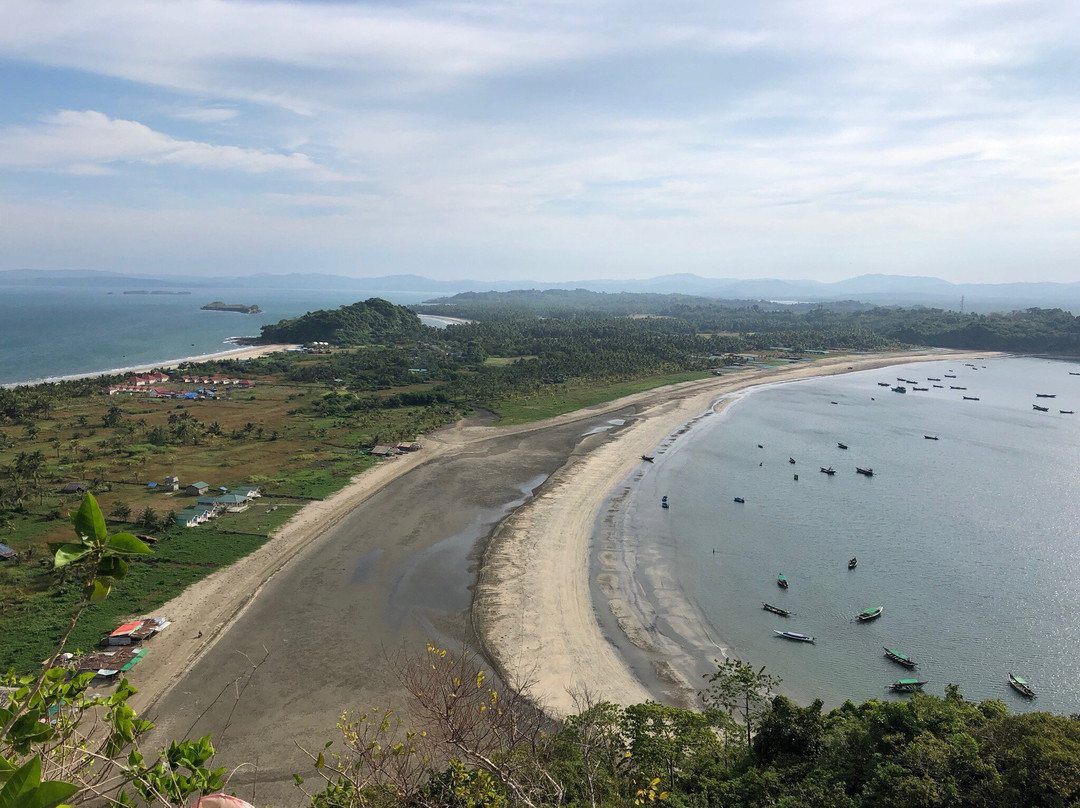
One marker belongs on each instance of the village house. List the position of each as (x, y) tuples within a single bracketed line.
[(188, 518), (249, 491), (409, 447), (136, 631), (197, 489), (233, 503), (384, 451), (75, 488), (171, 484)]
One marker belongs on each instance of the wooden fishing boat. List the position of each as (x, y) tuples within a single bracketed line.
[(939, 385), (648, 458), (902, 659), (920, 389), (1037, 408), (791, 460), (1073, 374), (664, 502), (932, 379), (1066, 412), (948, 376), (869, 614), (794, 635), (1021, 686), (781, 581), (970, 398), (841, 445), (954, 387), (761, 446), (853, 563), (830, 470), (866, 472), (906, 685), (739, 499), (930, 437), (886, 384), (899, 389), (1046, 395), (775, 609)]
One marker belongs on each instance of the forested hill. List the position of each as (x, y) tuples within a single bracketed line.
[(1029, 330), (372, 320)]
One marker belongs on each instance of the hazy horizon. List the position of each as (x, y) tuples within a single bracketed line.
[(549, 142)]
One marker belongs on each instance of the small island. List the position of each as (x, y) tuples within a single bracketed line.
[(217, 305)]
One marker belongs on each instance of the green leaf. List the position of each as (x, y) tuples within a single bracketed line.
[(95, 593), (52, 793), (64, 554), (127, 544), (26, 778), (112, 567), (320, 761), (89, 522)]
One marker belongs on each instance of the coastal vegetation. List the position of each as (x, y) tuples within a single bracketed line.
[(305, 427)]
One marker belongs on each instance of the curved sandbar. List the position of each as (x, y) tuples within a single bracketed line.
[(533, 606)]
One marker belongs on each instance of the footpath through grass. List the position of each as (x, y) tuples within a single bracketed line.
[(575, 396)]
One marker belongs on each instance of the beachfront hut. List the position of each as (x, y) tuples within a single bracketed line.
[(188, 518), (197, 489), (384, 451), (249, 491), (233, 503)]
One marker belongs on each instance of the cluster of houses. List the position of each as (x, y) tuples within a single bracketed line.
[(208, 507), (144, 384)]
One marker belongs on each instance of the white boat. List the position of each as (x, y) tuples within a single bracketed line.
[(793, 635)]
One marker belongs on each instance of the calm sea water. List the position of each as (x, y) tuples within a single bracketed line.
[(970, 542), (55, 332)]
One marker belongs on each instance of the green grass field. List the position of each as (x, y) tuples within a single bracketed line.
[(570, 397)]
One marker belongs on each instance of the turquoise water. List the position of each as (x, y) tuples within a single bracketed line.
[(55, 332), (970, 542)]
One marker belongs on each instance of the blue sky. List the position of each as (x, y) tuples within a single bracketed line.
[(543, 140)]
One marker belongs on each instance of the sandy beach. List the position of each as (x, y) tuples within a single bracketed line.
[(306, 626), (245, 352), (533, 604)]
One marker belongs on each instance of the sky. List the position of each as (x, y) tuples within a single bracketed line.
[(543, 140)]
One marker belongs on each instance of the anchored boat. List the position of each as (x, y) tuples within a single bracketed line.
[(1046, 395), (906, 685), (869, 614), (899, 389), (830, 470), (781, 581), (1021, 686), (853, 563), (739, 499), (794, 635), (930, 437), (902, 659), (841, 445), (1037, 408), (775, 609), (867, 472)]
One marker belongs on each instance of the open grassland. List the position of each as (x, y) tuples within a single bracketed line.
[(33, 615), (577, 395)]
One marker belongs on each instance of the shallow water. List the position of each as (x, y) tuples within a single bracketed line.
[(970, 542)]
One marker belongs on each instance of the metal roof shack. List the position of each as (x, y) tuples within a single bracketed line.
[(75, 488), (136, 631), (384, 451), (106, 664), (6, 552)]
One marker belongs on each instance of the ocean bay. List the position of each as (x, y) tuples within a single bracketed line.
[(56, 331), (969, 541)]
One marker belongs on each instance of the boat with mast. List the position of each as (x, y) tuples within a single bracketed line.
[(830, 470)]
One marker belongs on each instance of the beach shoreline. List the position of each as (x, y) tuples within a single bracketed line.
[(545, 583), (244, 352), (535, 608)]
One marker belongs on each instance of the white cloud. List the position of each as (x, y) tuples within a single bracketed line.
[(206, 114), (88, 142)]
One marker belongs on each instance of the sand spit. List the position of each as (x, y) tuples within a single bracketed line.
[(533, 607)]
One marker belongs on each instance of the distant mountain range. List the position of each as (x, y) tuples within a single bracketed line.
[(902, 290)]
